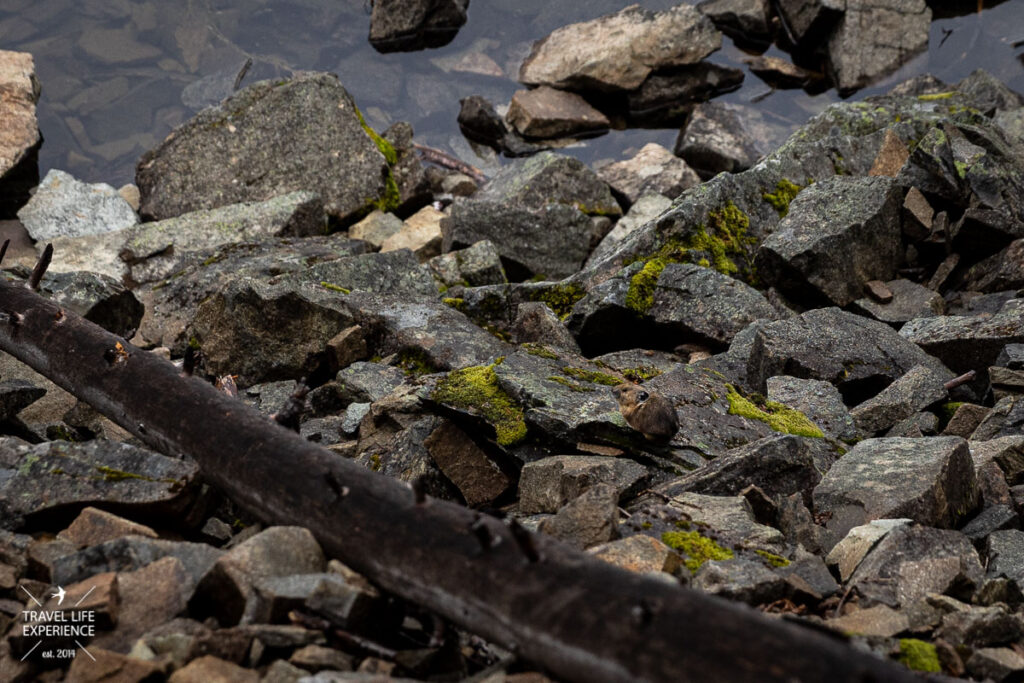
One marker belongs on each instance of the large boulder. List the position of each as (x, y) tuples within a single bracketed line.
[(271, 138), (64, 206), (19, 136)]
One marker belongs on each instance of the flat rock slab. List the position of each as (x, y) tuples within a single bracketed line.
[(653, 169), (929, 480), (269, 139), (64, 206), (129, 553), (546, 112), (839, 234), (618, 51), (547, 484), (909, 301), (60, 477)]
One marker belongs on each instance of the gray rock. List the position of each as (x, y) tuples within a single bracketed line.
[(919, 388), (354, 414), (644, 209), (19, 143), (97, 298), (746, 21), (989, 93), (808, 19), (129, 553), (1005, 553), (466, 465), (981, 626), (476, 265), (1005, 419), (839, 234), (995, 664), (819, 401), (536, 322), (397, 273), (225, 155), (993, 518), (653, 170), (912, 561), (15, 395), (847, 555), (618, 51), (795, 522), (729, 520), (368, 382), (716, 139), (879, 621), (743, 579), (156, 250), (61, 478), (640, 364), (1012, 357), (549, 178), (399, 25), (64, 206), (1006, 451), (928, 480), (666, 97), (94, 253), (588, 520), (549, 113), (910, 300), (965, 420), (548, 484)]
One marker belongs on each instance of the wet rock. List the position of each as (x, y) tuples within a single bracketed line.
[(536, 322), (478, 478), (639, 554), (618, 51), (226, 154), (839, 234), (227, 589), (1005, 419), (666, 97), (819, 401), (857, 355), (475, 266), (715, 139), (880, 620), (874, 39), (16, 395), (97, 298), (653, 169), (644, 209), (548, 484), (742, 579), (588, 520), (93, 526), (929, 480), (20, 139), (421, 234), (919, 388), (58, 478), (909, 301), (549, 178), (396, 25), (552, 242), (376, 228), (154, 251), (549, 113), (745, 21), (847, 555), (912, 561), (480, 123), (64, 206), (207, 669)]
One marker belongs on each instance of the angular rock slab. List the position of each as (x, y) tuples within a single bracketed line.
[(19, 136), (653, 169), (549, 113), (405, 25), (618, 51), (64, 206), (269, 139), (919, 388), (59, 478), (547, 484), (549, 178), (928, 480), (839, 234)]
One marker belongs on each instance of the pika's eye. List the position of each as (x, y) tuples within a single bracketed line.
[(642, 396)]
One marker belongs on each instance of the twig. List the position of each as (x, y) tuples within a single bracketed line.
[(962, 379), (41, 265), (241, 74), (436, 156)]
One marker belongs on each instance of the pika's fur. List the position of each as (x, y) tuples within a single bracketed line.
[(650, 414)]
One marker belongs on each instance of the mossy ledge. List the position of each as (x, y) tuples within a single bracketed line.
[(785, 192), (560, 298), (779, 417), (918, 655), (697, 548), (476, 389), (772, 559)]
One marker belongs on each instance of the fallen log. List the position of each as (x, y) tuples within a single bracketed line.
[(575, 616)]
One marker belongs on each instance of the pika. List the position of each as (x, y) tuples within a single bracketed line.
[(650, 414)]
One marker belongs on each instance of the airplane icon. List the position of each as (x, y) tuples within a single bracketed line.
[(59, 595)]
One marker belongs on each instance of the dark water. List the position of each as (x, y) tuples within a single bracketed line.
[(118, 75)]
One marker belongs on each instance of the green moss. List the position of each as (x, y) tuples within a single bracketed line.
[(335, 288), (26, 465), (455, 302), (785, 191), (641, 373), (919, 655), (640, 296), (385, 147), (779, 417), (646, 525), (476, 389), (948, 410), (773, 559), (111, 474), (591, 376), (391, 199), (572, 385), (697, 548), (961, 168), (560, 298), (414, 362), (375, 463), (936, 96), (539, 350), (209, 261)]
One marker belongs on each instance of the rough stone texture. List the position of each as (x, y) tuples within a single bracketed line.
[(210, 669), (549, 178), (653, 169), (376, 227), (995, 664), (929, 480), (819, 401), (618, 51), (666, 97), (476, 476), (874, 38), (847, 555), (839, 234), (476, 265), (227, 589), (808, 18), (64, 206), (639, 554), (1006, 451), (61, 477), (742, 579), (857, 355), (779, 73), (105, 665), (19, 136), (536, 322), (421, 234), (367, 382), (996, 517), (588, 520), (913, 561), (156, 250), (919, 388), (402, 25), (548, 484), (1005, 553), (549, 113), (729, 520), (743, 20), (965, 420), (909, 301), (268, 139), (127, 554), (552, 242), (97, 298), (880, 620), (17, 394), (715, 139), (1005, 419), (644, 209), (93, 526)]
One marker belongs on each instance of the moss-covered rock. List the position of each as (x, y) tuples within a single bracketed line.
[(476, 389)]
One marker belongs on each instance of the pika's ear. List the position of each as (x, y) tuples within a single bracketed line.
[(642, 396)]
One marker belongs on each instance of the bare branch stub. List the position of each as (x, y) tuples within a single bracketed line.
[(294, 406), (40, 270), (962, 379)]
